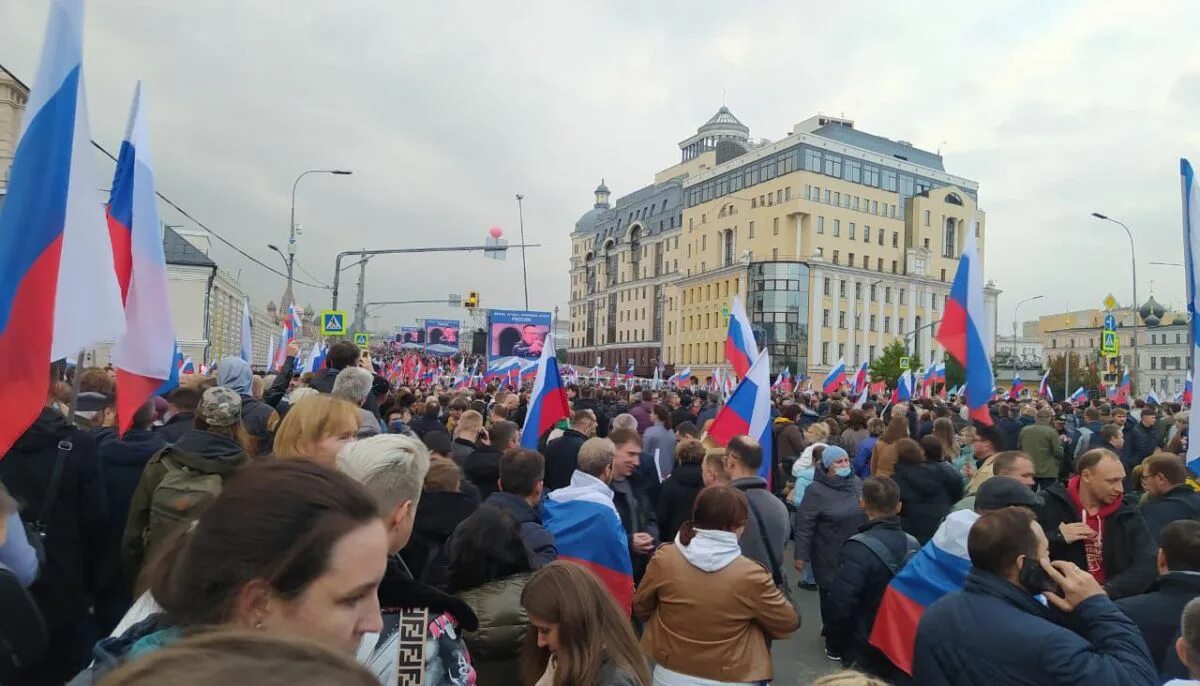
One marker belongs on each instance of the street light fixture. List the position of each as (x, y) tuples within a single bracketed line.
[(1014, 323), (291, 247), (1133, 266)]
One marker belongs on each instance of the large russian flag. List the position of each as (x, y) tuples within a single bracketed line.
[(860, 378), (1123, 391), (588, 531), (938, 569), (748, 412), (740, 348), (144, 356), (836, 377), (58, 289), (964, 328), (547, 401)]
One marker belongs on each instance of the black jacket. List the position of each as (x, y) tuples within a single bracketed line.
[(927, 492), (676, 497), (260, 421), (175, 427), (858, 588), (423, 425), (1156, 612), (992, 632), (828, 514), (399, 591), (1128, 548), (1140, 443), (538, 540), (1008, 428), (680, 415), (74, 525), (438, 514), (601, 416), (283, 379), (482, 468), (562, 454), (1180, 502), (123, 460), (637, 516)]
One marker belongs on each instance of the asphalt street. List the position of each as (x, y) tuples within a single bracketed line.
[(801, 658)]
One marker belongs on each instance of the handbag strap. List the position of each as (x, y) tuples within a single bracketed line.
[(776, 572), (64, 449)]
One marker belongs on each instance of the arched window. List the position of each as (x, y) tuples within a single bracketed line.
[(727, 247), (950, 238), (954, 199)]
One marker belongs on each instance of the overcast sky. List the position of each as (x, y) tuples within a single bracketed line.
[(445, 110)]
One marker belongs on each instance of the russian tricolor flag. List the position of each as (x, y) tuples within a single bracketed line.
[(58, 289), (316, 358), (836, 377), (1044, 387), (1152, 399), (904, 388), (1123, 391), (291, 329), (144, 356), (547, 401), (247, 334), (1017, 386), (938, 569), (860, 378), (681, 378), (740, 348), (1190, 192), (964, 328), (587, 531), (1078, 397), (1187, 389), (748, 412)]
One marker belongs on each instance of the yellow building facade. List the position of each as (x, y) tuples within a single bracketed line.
[(838, 242)]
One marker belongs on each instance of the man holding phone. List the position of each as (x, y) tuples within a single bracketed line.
[(995, 631)]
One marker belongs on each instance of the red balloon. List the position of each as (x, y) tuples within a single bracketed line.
[(496, 231)]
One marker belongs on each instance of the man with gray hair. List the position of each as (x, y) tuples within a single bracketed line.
[(1187, 646), (623, 421), (353, 384), (585, 524)]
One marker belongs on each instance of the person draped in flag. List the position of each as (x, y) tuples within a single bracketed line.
[(585, 525), (964, 328), (740, 348)]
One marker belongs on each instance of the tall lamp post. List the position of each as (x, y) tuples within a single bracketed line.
[(1133, 376), (291, 246), (524, 270), (1015, 309)]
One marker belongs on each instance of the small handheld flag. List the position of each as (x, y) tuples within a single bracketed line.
[(748, 412), (547, 401)]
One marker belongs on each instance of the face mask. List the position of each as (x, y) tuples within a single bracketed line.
[(1035, 579), (842, 472)]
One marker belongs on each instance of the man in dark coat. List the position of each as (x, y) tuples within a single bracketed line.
[(1156, 612), (995, 631), (74, 526), (441, 509), (429, 419), (562, 454), (181, 408), (482, 467), (1007, 427), (1143, 439), (1169, 498), (587, 401), (679, 491), (643, 412), (1111, 541), (863, 576), (630, 497), (521, 483)]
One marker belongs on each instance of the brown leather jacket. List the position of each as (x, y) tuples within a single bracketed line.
[(713, 625), (883, 459)]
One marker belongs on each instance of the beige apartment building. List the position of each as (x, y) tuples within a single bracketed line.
[(837, 241)]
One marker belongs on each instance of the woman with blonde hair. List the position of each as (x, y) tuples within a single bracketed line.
[(316, 429), (577, 634)]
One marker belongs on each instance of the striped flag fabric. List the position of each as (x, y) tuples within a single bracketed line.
[(748, 412), (1191, 250), (860, 378), (835, 378), (1187, 389), (1079, 397), (964, 328), (1123, 390), (938, 569), (143, 356), (59, 292), (291, 329), (547, 401), (247, 334), (1017, 386), (587, 530), (740, 348), (1044, 387)]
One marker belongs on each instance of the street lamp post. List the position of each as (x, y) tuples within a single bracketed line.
[(524, 271), (1133, 377), (1015, 310), (291, 247)]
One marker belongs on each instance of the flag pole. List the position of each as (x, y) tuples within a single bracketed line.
[(75, 381)]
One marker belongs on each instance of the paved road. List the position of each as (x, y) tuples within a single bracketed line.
[(801, 659)]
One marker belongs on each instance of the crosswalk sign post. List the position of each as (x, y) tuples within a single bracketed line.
[(1110, 346), (362, 340), (333, 323)]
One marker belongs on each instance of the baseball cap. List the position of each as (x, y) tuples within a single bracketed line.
[(220, 406), (999, 492)]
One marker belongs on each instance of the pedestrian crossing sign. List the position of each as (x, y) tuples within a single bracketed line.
[(333, 323), (362, 340)]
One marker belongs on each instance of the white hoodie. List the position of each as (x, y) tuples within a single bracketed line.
[(710, 551)]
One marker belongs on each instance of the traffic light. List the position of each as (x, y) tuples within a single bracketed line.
[(472, 300)]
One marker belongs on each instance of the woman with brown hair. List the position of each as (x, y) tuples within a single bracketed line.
[(316, 429), (577, 634), (709, 610), (679, 491), (883, 458), (288, 548), (928, 486)]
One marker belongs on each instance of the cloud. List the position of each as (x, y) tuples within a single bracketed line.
[(445, 110)]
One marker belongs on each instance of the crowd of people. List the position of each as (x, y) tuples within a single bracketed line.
[(293, 528)]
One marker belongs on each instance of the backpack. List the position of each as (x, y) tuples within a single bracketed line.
[(1081, 443), (911, 546), (178, 499)]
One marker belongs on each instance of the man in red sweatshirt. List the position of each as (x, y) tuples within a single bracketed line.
[(1088, 522)]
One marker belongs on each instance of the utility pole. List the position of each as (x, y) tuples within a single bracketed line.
[(360, 309), (524, 270)]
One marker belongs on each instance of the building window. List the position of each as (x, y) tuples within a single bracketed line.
[(901, 296), (879, 264), (926, 217), (871, 321), (837, 227), (837, 198), (833, 166), (851, 234), (871, 354), (841, 351), (824, 353), (925, 243), (887, 324), (841, 289), (828, 195), (887, 294), (850, 259), (943, 275), (895, 239), (825, 317), (873, 298), (894, 267), (752, 229), (853, 171), (820, 225), (874, 207), (857, 291), (950, 239), (826, 285), (866, 262), (727, 246), (835, 257), (774, 253), (880, 232), (775, 226)]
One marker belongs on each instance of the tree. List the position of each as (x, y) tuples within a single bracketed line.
[(1083, 373), (887, 368), (956, 375)]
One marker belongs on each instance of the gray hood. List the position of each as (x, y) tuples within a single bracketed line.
[(234, 373)]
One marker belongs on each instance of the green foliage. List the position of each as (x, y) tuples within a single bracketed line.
[(887, 368), (956, 375), (1083, 373)]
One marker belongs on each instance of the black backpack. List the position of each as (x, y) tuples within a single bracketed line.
[(911, 546)]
